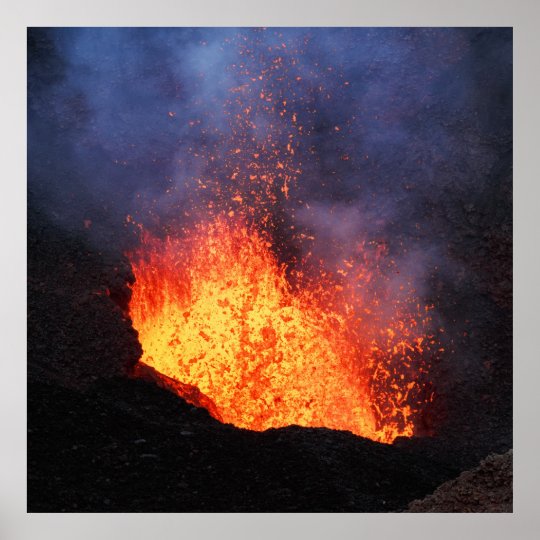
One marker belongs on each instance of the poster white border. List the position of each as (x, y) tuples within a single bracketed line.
[(522, 15)]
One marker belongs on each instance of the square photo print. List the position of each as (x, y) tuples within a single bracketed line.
[(269, 269)]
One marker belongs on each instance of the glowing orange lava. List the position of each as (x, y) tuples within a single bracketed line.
[(338, 343), (216, 311)]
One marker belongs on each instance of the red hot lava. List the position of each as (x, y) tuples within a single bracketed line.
[(277, 343)]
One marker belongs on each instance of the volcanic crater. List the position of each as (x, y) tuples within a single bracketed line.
[(279, 283)]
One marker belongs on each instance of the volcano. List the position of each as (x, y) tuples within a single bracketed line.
[(268, 269)]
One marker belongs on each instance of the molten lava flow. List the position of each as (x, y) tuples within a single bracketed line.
[(216, 311), (329, 337)]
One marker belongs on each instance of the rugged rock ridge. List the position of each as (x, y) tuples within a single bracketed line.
[(487, 488)]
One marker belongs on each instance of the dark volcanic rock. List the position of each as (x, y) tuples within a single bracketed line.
[(122, 446), (488, 488), (77, 332)]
